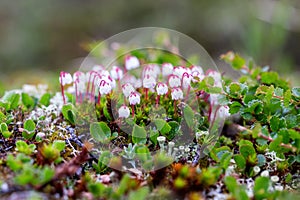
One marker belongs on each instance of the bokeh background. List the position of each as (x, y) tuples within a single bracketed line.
[(38, 38)]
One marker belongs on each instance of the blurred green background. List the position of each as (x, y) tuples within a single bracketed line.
[(38, 38)]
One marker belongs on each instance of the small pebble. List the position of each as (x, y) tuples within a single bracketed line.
[(265, 173)]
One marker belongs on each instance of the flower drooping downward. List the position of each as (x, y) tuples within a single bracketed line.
[(65, 79), (124, 112), (131, 62)]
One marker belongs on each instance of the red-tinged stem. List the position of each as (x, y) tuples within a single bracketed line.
[(168, 94), (215, 115), (132, 106), (261, 135), (93, 89), (175, 110), (157, 100), (76, 93), (146, 93), (209, 111), (119, 85), (81, 97), (99, 98), (62, 90)]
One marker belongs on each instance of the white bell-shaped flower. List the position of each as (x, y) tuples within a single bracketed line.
[(65, 78), (127, 89), (104, 87), (186, 80), (167, 69), (116, 73), (161, 88), (149, 82), (131, 62), (174, 81), (134, 98), (176, 94), (198, 69), (124, 112)]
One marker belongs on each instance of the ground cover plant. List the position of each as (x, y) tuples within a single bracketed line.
[(98, 138)]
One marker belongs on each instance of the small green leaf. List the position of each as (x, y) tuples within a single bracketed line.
[(59, 145), (100, 131), (27, 100), (142, 153), (3, 127), (45, 99), (238, 192), (141, 193), (235, 89), (6, 134), (125, 181), (174, 129), (274, 123), (68, 111), (214, 90), (2, 117), (234, 107), (106, 113), (287, 97), (261, 186), (29, 125), (153, 136), (139, 135), (275, 144), (278, 92), (269, 77), (97, 189), (225, 160), (296, 92), (189, 114), (71, 116), (162, 126), (12, 98), (238, 62), (292, 121), (240, 161), (247, 150), (285, 135)]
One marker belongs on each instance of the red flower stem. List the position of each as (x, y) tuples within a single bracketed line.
[(209, 111), (119, 86), (132, 106), (174, 104), (81, 98), (157, 100), (93, 89), (76, 93), (261, 135), (146, 93), (62, 90), (99, 98)]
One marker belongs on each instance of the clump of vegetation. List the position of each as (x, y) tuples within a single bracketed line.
[(110, 135)]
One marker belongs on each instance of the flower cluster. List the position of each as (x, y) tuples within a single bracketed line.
[(165, 81)]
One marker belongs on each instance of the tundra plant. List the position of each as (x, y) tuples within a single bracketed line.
[(168, 94)]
